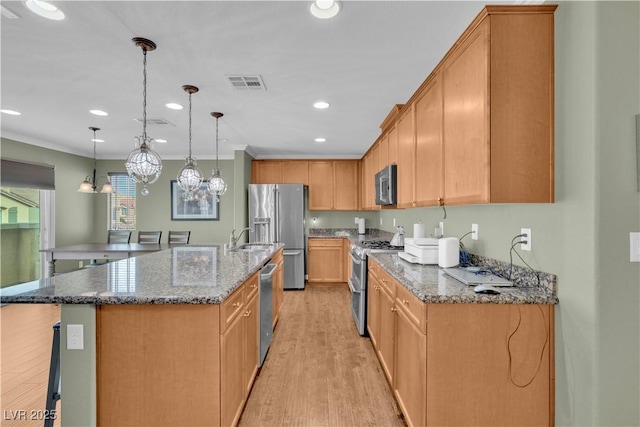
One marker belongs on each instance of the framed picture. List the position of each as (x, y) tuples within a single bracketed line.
[(199, 206)]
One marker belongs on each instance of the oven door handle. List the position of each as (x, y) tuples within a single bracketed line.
[(353, 289), (354, 259)]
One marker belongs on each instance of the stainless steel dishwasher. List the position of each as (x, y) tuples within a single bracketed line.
[(266, 309)]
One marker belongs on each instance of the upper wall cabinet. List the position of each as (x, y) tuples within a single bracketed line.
[(333, 185), (280, 172), (498, 109), (480, 128)]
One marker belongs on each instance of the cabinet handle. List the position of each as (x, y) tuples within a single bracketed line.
[(247, 313), (393, 309), (237, 304), (405, 302), (254, 286)]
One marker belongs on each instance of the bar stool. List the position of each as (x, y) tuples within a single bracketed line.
[(149, 237), (53, 389), (179, 237)]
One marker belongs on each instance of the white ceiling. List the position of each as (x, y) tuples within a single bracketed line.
[(373, 55)]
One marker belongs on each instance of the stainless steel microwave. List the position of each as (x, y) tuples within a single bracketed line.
[(386, 179)]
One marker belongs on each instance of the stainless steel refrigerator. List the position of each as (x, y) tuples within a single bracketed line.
[(276, 215)]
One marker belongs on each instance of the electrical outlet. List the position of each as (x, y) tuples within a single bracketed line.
[(474, 231), (634, 246), (394, 222), (380, 220), (75, 337), (80, 264), (441, 226), (527, 236)]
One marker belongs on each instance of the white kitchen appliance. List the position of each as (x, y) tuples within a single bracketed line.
[(420, 250)]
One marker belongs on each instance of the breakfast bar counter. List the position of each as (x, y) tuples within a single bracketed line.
[(169, 338)]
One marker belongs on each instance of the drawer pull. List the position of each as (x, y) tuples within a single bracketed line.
[(393, 309), (237, 304), (247, 313), (405, 302)]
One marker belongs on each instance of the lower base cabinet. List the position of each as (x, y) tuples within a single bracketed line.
[(463, 364), (177, 364)]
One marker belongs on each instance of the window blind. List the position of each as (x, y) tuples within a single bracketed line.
[(19, 174)]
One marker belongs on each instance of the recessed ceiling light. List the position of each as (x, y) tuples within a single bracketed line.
[(321, 105), (161, 141), (97, 140), (11, 112), (320, 140), (44, 9), (324, 9), (99, 112), (174, 106), (224, 140)]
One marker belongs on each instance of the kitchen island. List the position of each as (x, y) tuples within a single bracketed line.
[(169, 338)]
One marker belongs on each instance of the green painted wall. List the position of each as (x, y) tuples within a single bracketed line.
[(74, 211), (154, 210)]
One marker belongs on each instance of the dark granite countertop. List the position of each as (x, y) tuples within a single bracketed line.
[(431, 285), (180, 275)]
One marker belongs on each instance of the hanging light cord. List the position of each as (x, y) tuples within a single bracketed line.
[(189, 125), (94, 155), (217, 118), (144, 95)]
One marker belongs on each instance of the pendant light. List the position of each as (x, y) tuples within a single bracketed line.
[(89, 185), (216, 185), (190, 177), (143, 164)]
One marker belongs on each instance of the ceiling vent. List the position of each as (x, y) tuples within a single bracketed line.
[(246, 82), (156, 122)]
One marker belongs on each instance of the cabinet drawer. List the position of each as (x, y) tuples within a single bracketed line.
[(415, 309), (323, 243), (387, 282), (374, 269), (231, 308), (251, 286)]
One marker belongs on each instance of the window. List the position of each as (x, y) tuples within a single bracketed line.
[(122, 203)]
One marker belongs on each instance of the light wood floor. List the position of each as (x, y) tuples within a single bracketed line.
[(319, 371), (25, 352)]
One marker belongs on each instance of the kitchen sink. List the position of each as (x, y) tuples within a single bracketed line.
[(255, 247)]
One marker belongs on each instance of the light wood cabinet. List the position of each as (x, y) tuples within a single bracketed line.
[(428, 149), (499, 147), (280, 172), (406, 158), (345, 185), (321, 185), (495, 361), (383, 144), (213, 354), (326, 260), (266, 172), (393, 146)]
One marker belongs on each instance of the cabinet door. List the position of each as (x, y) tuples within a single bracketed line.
[(386, 343), (373, 309), (406, 158), (429, 177), (326, 260), (252, 340), (266, 172), (368, 177), (375, 158), (232, 378), (295, 172), (410, 369), (321, 185), (346, 185), (393, 146), (466, 121), (384, 150), (494, 360)]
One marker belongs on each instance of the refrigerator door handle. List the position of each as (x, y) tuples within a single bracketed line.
[(276, 214), (292, 252)]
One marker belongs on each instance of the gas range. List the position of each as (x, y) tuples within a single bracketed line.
[(365, 247)]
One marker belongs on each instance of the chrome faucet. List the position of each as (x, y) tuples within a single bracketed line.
[(233, 239)]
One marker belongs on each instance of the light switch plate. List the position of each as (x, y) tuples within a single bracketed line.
[(634, 246), (75, 337)]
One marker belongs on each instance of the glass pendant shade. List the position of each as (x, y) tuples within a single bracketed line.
[(86, 186), (143, 164), (217, 186), (190, 177), (107, 188)]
